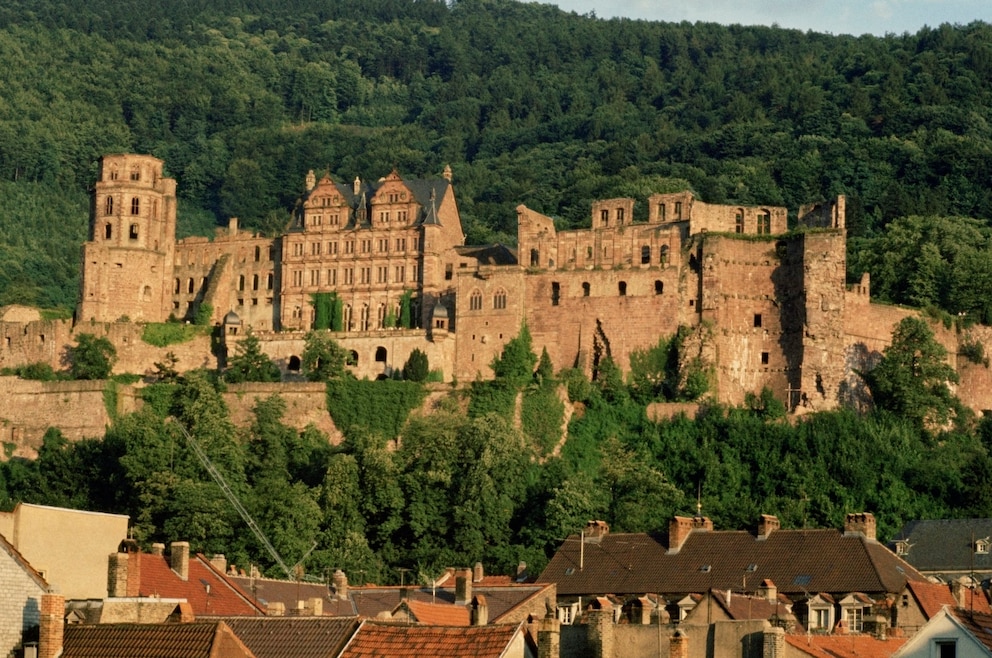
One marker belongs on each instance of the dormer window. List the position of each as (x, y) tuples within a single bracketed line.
[(685, 607), (982, 546), (853, 609), (820, 613), (902, 547)]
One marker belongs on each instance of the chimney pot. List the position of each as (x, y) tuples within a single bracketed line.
[(179, 558), (340, 581), (478, 573), (158, 549), (219, 561)]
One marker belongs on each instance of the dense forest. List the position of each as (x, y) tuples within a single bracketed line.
[(529, 105)]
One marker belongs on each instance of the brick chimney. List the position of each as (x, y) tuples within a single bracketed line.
[(767, 524), (680, 527), (599, 629), (678, 645), (124, 570), (768, 590), (463, 586), (478, 573), (774, 643), (51, 626), (179, 558), (219, 562), (480, 610), (959, 592), (158, 549), (549, 638), (596, 530), (340, 581), (862, 523)]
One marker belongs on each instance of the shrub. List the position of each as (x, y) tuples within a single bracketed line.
[(416, 367), (91, 357), (161, 334)]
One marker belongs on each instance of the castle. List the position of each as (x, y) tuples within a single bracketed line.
[(761, 305)]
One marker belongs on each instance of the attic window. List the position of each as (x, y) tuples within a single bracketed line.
[(569, 571), (902, 547), (982, 546), (802, 579)]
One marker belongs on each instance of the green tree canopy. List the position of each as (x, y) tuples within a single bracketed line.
[(250, 364), (323, 359), (91, 357)]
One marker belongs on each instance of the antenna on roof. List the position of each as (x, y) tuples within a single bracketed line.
[(699, 500)]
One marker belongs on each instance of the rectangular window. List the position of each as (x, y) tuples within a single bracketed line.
[(947, 649), (383, 244), (349, 276), (854, 618), (366, 274), (400, 273), (349, 247), (298, 249), (332, 277), (333, 219), (678, 210), (757, 319), (366, 246), (401, 216), (382, 274), (555, 293), (298, 278), (764, 358), (332, 248), (416, 244), (315, 249), (620, 215), (314, 277), (604, 215), (661, 212)]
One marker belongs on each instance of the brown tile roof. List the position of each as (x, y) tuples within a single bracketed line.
[(934, 596), (193, 640), (742, 607), (306, 637), (977, 624), (221, 597), (377, 639), (798, 561), (845, 646), (438, 615)]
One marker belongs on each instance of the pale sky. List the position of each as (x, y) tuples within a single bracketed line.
[(856, 17)]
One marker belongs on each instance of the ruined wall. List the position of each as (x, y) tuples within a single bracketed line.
[(33, 341), (30, 408), (306, 404)]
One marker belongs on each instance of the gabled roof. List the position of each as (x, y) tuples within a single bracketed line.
[(798, 561), (438, 615), (946, 544), (376, 639), (303, 637), (979, 625), (934, 596), (845, 646), (266, 591), (501, 600), (207, 590), (740, 607), (193, 640), (21, 562)]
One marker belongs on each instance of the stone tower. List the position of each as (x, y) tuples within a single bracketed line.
[(128, 259)]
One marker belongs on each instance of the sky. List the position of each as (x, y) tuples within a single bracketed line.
[(878, 17)]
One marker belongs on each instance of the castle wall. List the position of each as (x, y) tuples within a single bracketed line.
[(31, 407)]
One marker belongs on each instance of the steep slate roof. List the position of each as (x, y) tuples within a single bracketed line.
[(302, 637), (193, 640), (265, 591), (420, 188), (845, 646), (377, 639), (934, 596), (946, 544), (798, 561), (222, 597)]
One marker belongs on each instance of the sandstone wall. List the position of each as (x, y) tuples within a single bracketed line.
[(305, 405), (30, 408)]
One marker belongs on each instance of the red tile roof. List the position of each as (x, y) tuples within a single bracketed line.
[(977, 624), (193, 640), (377, 639), (371, 601), (934, 596), (845, 646), (438, 615), (206, 589)]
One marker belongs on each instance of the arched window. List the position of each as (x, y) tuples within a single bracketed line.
[(109, 206), (535, 258), (475, 301), (347, 318), (294, 364), (108, 231), (380, 317), (380, 354), (499, 300), (241, 282), (352, 358), (258, 254), (268, 281), (659, 287), (622, 288), (254, 282), (177, 287), (585, 288), (189, 286), (764, 222), (663, 257), (364, 319), (645, 255), (146, 293), (135, 206), (739, 221)]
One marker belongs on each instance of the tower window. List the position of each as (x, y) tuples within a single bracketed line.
[(135, 206), (661, 212), (659, 287), (133, 232), (739, 221), (475, 301), (622, 288), (764, 358), (585, 288), (499, 300), (678, 210), (108, 231), (605, 216), (620, 215), (535, 258), (764, 222), (757, 319), (136, 174), (555, 293), (109, 206), (663, 255)]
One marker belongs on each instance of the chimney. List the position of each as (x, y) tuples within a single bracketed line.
[(158, 549), (179, 558), (773, 645), (521, 572), (232, 226), (599, 630), (768, 590), (219, 562), (51, 626), (862, 523), (959, 592), (463, 586), (447, 173), (596, 530), (117, 575), (548, 638), (680, 527), (276, 609), (357, 186), (480, 610), (314, 607), (340, 581), (767, 525), (478, 573), (678, 645)]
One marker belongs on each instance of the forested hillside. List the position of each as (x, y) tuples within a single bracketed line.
[(526, 103)]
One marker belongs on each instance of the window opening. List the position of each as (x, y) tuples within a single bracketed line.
[(555, 293), (622, 288), (659, 287), (585, 288), (645, 255)]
